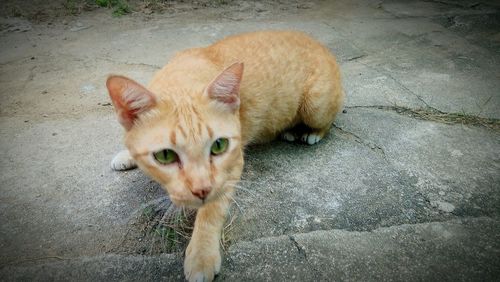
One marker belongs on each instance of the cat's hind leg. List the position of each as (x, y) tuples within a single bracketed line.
[(314, 136), (319, 108), (317, 126), (303, 133), (123, 161)]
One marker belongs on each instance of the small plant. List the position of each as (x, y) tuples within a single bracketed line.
[(120, 7), (174, 229), (161, 227), (165, 228), (71, 7), (148, 212), (75, 7)]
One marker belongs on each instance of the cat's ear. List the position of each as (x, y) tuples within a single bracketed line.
[(129, 99), (225, 88)]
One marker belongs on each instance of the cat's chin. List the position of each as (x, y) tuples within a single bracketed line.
[(194, 204)]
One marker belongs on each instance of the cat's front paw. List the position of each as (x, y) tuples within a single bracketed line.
[(202, 264), (123, 161)]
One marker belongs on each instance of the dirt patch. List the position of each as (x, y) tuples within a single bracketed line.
[(43, 11), (46, 11)]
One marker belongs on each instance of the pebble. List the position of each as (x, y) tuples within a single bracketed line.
[(304, 6), (443, 206), (87, 89), (79, 26)]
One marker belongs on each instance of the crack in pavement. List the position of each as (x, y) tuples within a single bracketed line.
[(300, 249), (463, 7), (372, 146), (432, 114), (355, 58), (453, 4), (128, 63), (78, 59), (459, 220), (399, 84)]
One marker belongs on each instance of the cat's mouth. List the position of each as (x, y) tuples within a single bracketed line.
[(184, 199)]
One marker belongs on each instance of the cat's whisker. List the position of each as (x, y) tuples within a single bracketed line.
[(248, 191), (236, 203), (239, 188), (220, 193), (244, 181)]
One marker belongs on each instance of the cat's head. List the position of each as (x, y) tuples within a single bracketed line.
[(191, 144)]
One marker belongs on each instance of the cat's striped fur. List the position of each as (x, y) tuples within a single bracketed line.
[(248, 88)]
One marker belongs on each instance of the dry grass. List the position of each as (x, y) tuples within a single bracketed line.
[(165, 227), (431, 114), (161, 227)]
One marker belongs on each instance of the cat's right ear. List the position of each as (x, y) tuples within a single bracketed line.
[(129, 98), (225, 88)]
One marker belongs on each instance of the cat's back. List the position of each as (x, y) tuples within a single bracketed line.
[(271, 51), (270, 44), (280, 68)]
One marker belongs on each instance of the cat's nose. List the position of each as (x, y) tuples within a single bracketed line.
[(201, 193)]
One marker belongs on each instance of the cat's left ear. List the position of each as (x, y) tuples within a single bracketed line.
[(129, 98), (225, 88)]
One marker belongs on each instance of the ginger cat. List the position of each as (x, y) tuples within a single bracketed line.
[(188, 128)]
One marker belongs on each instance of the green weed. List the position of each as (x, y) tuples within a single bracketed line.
[(120, 7)]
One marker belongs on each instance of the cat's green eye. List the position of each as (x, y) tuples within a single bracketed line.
[(219, 146), (165, 156)]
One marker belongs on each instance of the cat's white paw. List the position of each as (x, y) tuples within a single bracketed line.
[(123, 161), (202, 264), (310, 138), (288, 136)]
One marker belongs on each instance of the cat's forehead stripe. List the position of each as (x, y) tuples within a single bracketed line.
[(183, 132), (199, 128), (210, 132), (195, 111), (173, 138)]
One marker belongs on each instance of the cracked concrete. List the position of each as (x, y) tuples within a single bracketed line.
[(374, 147), (404, 187), (300, 249)]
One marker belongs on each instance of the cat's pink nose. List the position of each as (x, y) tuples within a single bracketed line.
[(201, 193)]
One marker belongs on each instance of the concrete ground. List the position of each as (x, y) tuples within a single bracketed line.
[(405, 187)]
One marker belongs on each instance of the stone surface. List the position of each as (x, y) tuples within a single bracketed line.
[(387, 195), (451, 251)]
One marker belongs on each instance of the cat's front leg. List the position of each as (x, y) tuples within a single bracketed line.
[(203, 258), (123, 161)]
